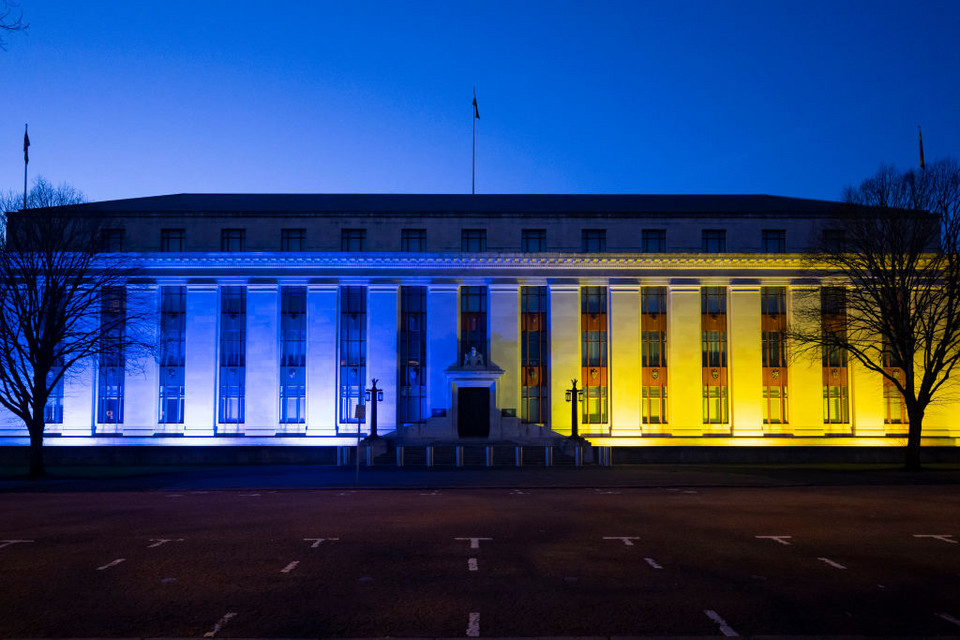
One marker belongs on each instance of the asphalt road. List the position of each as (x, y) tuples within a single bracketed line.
[(712, 561)]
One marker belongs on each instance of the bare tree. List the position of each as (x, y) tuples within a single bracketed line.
[(61, 304), (11, 19), (891, 269)]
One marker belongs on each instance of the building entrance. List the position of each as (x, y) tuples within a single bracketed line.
[(473, 412)]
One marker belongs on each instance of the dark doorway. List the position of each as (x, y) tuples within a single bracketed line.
[(473, 412)]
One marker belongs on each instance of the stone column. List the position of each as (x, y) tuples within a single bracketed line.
[(866, 402), (261, 411), (564, 351), (322, 368), (200, 369), (141, 391), (625, 365), (745, 360), (684, 361), (442, 330), (383, 315), (504, 318), (804, 372)]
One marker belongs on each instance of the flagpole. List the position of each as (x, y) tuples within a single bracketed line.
[(473, 154), (920, 134), (26, 161)]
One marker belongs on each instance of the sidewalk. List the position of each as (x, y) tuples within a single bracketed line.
[(302, 477)]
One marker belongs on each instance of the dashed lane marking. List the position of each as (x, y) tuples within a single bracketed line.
[(653, 563), (161, 541), (316, 541), (290, 567), (949, 618), (473, 625), (7, 543), (518, 492), (835, 565), (780, 539), (627, 540), (220, 623), (942, 537), (474, 542), (472, 565), (432, 493), (725, 629), (111, 564)]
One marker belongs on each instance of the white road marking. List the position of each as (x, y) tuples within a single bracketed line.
[(474, 542), (653, 563), (111, 564), (432, 493), (780, 539), (316, 541), (250, 495), (724, 627), (473, 625), (949, 618), (174, 495), (835, 565), (161, 541), (688, 491), (290, 567), (517, 492), (7, 543), (472, 565), (601, 492), (216, 628), (943, 537), (627, 540)]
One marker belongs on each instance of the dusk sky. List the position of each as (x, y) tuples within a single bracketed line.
[(128, 99)]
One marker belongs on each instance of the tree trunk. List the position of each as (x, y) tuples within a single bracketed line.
[(912, 461), (36, 453)]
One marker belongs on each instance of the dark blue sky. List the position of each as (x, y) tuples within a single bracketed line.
[(130, 99)]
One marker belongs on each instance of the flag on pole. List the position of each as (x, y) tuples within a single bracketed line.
[(26, 145), (476, 112), (920, 133)]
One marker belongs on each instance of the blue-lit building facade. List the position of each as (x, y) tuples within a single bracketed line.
[(272, 314)]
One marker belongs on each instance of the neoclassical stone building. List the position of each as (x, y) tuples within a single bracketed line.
[(274, 313)]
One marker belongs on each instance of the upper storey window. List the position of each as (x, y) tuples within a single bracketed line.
[(714, 240), (413, 240), (353, 239), (473, 240), (232, 239), (654, 241), (292, 239), (774, 241), (111, 240), (172, 240), (533, 240), (593, 240)]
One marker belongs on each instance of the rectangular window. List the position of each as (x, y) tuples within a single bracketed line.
[(111, 240), (773, 327), (714, 240), (53, 409), (232, 239), (413, 355), (173, 332), (473, 240), (533, 240), (353, 239), (713, 327), (654, 241), (111, 364), (774, 241), (172, 240), (413, 240), (895, 409), (473, 321), (833, 317), (593, 240), (593, 354), (534, 354), (292, 239), (653, 354), (293, 355), (353, 352), (233, 356)]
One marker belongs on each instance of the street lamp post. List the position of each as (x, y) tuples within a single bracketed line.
[(373, 395), (573, 396)]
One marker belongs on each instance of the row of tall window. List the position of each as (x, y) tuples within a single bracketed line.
[(473, 334), (471, 240)]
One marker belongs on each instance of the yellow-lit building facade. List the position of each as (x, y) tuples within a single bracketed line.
[(274, 313)]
